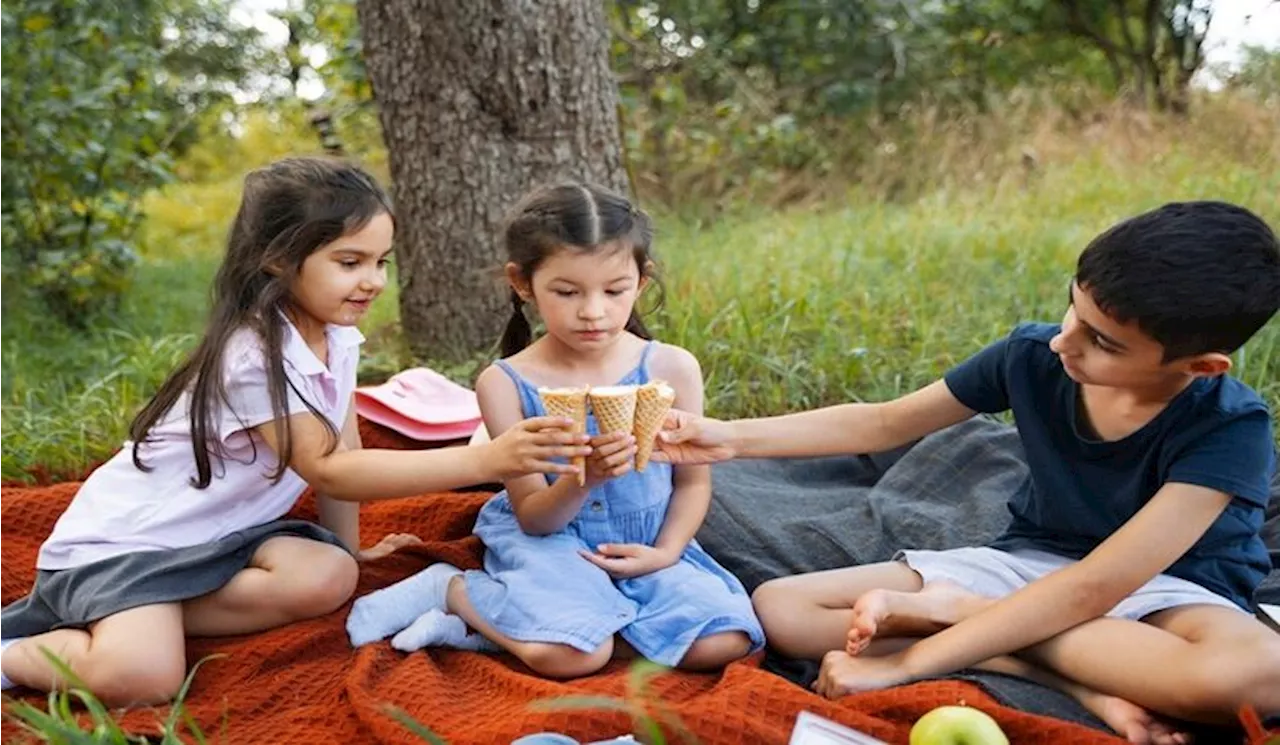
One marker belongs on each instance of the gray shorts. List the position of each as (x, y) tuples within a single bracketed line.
[(994, 573)]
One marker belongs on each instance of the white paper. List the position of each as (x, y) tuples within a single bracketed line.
[(812, 729)]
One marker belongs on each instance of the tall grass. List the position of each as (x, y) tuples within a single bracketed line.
[(921, 254)]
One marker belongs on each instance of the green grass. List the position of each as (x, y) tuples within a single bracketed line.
[(860, 301)]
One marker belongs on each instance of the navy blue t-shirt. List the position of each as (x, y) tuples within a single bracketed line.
[(1216, 433)]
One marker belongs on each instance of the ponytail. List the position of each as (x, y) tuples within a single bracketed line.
[(518, 333)]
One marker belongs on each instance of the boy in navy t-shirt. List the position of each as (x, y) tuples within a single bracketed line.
[(1130, 562)]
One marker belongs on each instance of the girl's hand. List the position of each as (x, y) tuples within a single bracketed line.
[(611, 456), (688, 439), (624, 560), (387, 546), (529, 446)]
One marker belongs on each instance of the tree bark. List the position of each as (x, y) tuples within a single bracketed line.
[(479, 102)]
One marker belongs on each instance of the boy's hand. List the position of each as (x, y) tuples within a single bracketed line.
[(624, 560), (688, 439), (611, 456), (529, 446), (387, 546)]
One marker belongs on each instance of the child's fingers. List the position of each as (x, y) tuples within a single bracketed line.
[(614, 443), (618, 457), (600, 561), (560, 437), (546, 466), (562, 451), (539, 423), (624, 550)]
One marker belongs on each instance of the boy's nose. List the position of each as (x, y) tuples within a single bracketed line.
[(1061, 344)]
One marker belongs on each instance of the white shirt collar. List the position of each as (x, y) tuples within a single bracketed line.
[(299, 354)]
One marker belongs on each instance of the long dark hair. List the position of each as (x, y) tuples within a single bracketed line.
[(575, 216), (288, 210)]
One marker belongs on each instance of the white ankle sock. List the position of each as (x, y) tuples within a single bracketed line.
[(381, 614), (435, 628), (5, 683)]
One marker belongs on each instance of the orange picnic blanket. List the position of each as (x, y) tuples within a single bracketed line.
[(304, 683)]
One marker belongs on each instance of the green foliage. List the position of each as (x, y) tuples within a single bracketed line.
[(60, 724), (648, 716), (872, 294), (1258, 74), (97, 98)]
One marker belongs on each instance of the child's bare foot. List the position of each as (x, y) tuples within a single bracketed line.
[(1132, 722), (890, 613)]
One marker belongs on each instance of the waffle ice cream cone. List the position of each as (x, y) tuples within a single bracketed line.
[(614, 407), (653, 401), (572, 403)]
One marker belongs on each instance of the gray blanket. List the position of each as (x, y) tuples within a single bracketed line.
[(771, 518)]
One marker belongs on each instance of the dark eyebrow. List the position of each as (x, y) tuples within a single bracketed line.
[(361, 252), (1071, 301)]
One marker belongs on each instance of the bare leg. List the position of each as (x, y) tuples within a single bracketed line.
[(551, 660), (891, 613), (137, 656), (1196, 662), (288, 579), (715, 651), (1132, 722), (809, 615)]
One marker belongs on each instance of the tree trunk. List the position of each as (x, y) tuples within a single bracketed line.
[(479, 102)]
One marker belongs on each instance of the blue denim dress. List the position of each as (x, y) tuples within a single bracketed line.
[(539, 589)]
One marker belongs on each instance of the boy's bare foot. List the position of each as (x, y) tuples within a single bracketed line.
[(1132, 722), (890, 613)]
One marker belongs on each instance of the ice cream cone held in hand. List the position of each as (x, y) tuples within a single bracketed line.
[(653, 401), (614, 407), (571, 403)]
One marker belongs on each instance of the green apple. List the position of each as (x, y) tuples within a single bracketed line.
[(957, 725)]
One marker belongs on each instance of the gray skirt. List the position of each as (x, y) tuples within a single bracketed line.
[(78, 596)]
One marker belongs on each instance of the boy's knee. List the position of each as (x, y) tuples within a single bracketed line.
[(328, 583), (1263, 691), (1250, 675), (562, 661), (768, 597), (778, 607)]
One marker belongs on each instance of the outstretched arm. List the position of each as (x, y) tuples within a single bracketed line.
[(364, 474), (834, 430)]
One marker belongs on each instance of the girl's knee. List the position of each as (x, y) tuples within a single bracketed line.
[(716, 651), (563, 661), (328, 582), (119, 680)]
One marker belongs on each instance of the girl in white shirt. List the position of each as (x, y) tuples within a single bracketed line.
[(180, 534)]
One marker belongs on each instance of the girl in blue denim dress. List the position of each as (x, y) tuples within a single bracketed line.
[(569, 567)]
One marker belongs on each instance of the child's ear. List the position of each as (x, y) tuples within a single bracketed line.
[(1208, 365), (646, 272), (518, 281)]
